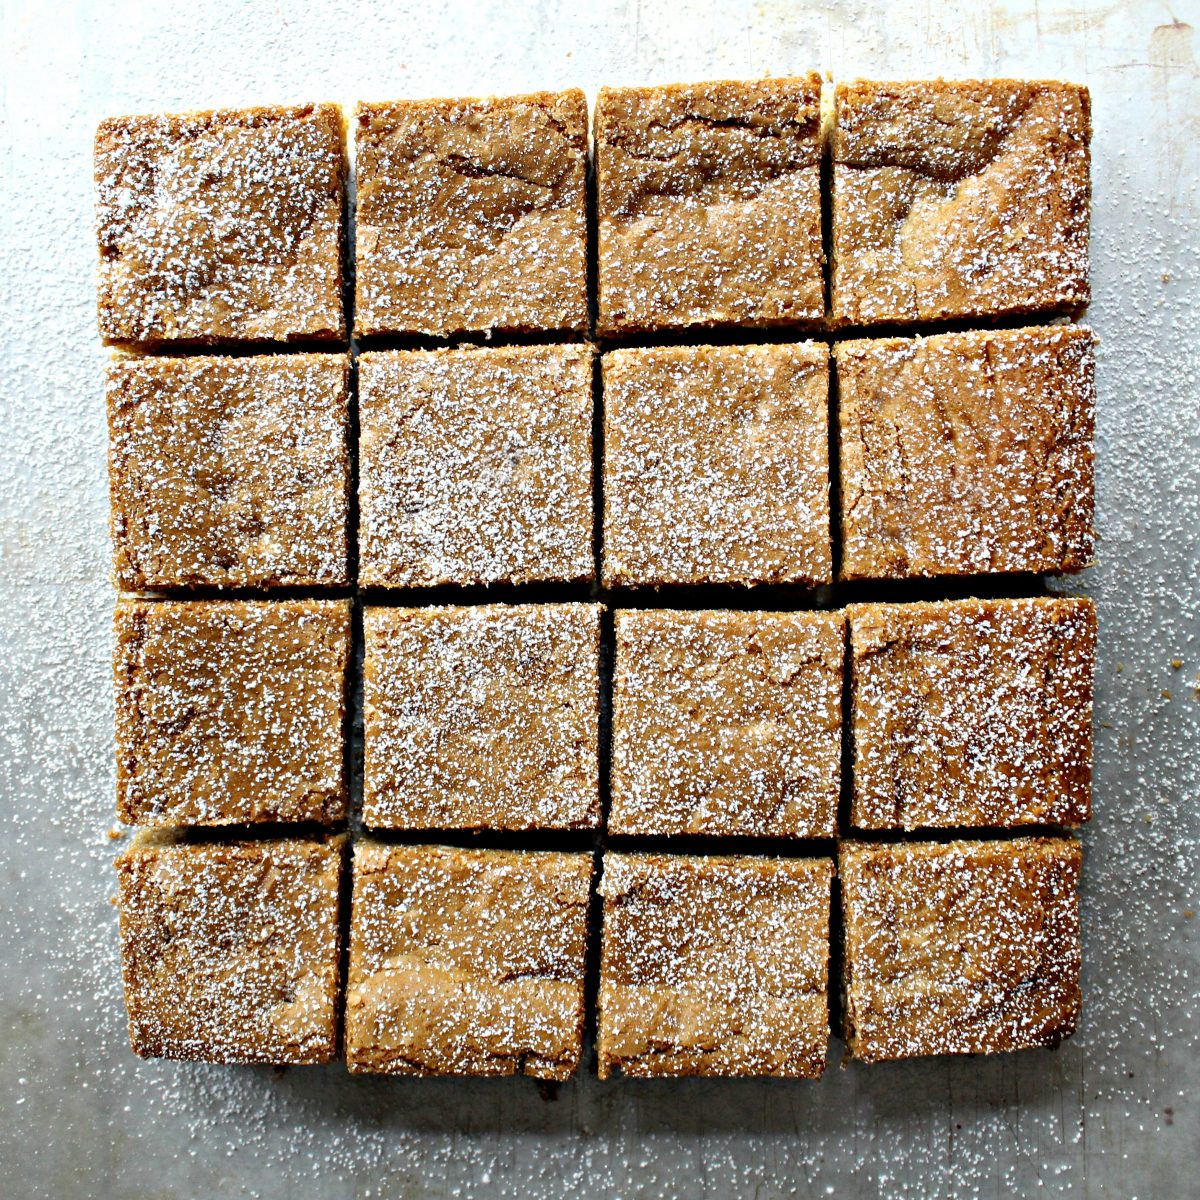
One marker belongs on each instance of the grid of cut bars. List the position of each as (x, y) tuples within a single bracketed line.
[(594, 635)]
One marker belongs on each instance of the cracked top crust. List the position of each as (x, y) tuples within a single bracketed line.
[(716, 465), (962, 948), (229, 472), (466, 962), (221, 226), (967, 453), (230, 712), (485, 717), (475, 466), (472, 215), (714, 966), (708, 204), (727, 723), (972, 713), (959, 200), (231, 951)]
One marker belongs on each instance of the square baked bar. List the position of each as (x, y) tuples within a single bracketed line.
[(959, 199), (972, 713), (472, 215), (231, 712), (714, 966), (708, 201), (484, 717), (727, 723), (967, 453), (475, 466), (962, 948), (466, 962), (231, 951), (716, 465), (229, 472), (222, 226)]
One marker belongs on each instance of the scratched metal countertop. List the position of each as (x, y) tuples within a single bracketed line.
[(1111, 1113)]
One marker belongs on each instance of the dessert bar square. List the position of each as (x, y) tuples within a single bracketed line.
[(716, 465), (972, 713), (708, 201), (221, 226), (229, 472), (466, 962), (230, 712), (472, 215), (714, 966), (484, 717), (967, 453), (962, 948), (231, 951), (475, 466), (727, 723), (959, 200)]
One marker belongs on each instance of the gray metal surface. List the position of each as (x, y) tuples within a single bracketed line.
[(1113, 1112)]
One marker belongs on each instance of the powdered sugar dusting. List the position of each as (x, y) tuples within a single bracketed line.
[(221, 226), (967, 453), (716, 465), (471, 215), (727, 723), (972, 713), (231, 712), (714, 966), (231, 951), (475, 466), (1112, 1110), (466, 962), (967, 948), (709, 205), (482, 717), (229, 472), (959, 199)]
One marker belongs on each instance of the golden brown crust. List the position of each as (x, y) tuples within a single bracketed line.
[(716, 465), (963, 948), (466, 962), (230, 712), (714, 966), (959, 199), (972, 713), (471, 215), (221, 226), (482, 718), (231, 951), (475, 466), (708, 205), (229, 472), (727, 723), (967, 453)]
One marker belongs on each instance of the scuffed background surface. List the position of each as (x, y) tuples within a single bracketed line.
[(1114, 1112)]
